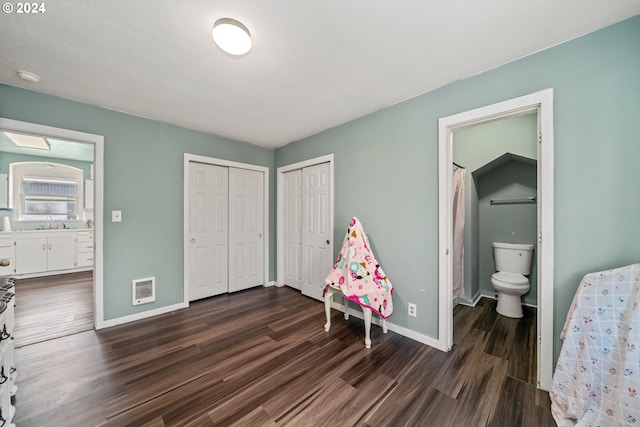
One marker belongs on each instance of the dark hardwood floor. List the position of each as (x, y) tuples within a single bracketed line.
[(52, 307), (262, 358)]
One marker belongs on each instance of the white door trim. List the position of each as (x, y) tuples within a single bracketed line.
[(98, 170), (280, 206), (542, 102), (228, 163)]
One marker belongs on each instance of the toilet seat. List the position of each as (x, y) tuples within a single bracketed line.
[(510, 279)]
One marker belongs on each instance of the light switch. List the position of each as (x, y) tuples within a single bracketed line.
[(116, 216)]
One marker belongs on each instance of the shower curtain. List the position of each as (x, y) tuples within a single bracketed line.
[(459, 178)]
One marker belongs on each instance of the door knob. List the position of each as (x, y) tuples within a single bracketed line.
[(328, 242), (193, 240), (260, 235)]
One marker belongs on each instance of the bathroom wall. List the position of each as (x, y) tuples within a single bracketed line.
[(474, 147), (510, 223)]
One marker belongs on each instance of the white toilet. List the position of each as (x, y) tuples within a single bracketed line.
[(513, 262)]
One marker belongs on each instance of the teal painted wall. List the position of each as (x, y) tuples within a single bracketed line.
[(477, 145), (7, 158), (143, 177), (387, 167), (474, 147)]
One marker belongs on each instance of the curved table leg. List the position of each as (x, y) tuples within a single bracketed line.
[(328, 296), (327, 307), (367, 327)]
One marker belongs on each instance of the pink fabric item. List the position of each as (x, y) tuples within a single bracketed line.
[(359, 275), (457, 255)]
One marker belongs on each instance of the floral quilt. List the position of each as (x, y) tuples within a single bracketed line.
[(597, 378), (359, 275)]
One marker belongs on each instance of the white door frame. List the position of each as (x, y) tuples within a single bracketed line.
[(329, 158), (98, 170), (221, 162), (542, 103)]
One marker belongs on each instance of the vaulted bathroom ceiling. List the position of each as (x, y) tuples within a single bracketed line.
[(313, 65)]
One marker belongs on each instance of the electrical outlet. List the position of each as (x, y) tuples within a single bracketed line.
[(412, 310), (116, 216)]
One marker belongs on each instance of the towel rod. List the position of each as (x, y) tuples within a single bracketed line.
[(460, 166), (531, 199)]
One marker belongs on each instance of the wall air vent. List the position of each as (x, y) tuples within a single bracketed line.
[(143, 290)]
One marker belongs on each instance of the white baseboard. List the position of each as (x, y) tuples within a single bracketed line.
[(51, 273), (139, 316), (272, 283), (405, 332), (476, 299), (471, 302)]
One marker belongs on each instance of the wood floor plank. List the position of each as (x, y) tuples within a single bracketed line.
[(520, 407), (261, 357), (522, 354), (480, 391), (52, 307)]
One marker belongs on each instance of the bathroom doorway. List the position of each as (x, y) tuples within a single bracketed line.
[(534, 109), (495, 164)]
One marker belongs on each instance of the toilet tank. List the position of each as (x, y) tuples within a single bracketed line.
[(513, 257)]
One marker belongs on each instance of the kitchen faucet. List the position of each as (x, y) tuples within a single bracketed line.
[(50, 221)]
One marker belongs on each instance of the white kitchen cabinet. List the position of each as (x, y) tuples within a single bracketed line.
[(31, 255), (6, 254), (85, 249), (61, 253), (35, 253)]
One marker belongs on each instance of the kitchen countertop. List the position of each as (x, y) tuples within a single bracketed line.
[(46, 230)]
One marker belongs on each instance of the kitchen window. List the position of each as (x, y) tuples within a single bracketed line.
[(42, 189)]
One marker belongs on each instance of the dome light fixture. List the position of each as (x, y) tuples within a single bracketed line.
[(28, 76), (231, 36)]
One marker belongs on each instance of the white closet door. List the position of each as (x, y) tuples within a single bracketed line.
[(292, 219), (208, 225), (316, 232), (246, 228)]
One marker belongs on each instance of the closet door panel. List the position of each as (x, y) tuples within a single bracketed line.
[(246, 229), (317, 258), (293, 229), (208, 230)]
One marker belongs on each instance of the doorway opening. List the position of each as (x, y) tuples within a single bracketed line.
[(73, 246), (540, 104)]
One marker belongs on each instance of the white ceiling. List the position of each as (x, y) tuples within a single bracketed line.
[(314, 64)]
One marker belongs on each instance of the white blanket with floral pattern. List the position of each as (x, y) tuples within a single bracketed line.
[(597, 378)]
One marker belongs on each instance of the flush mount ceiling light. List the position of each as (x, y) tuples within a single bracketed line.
[(28, 141), (28, 76), (231, 36)]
